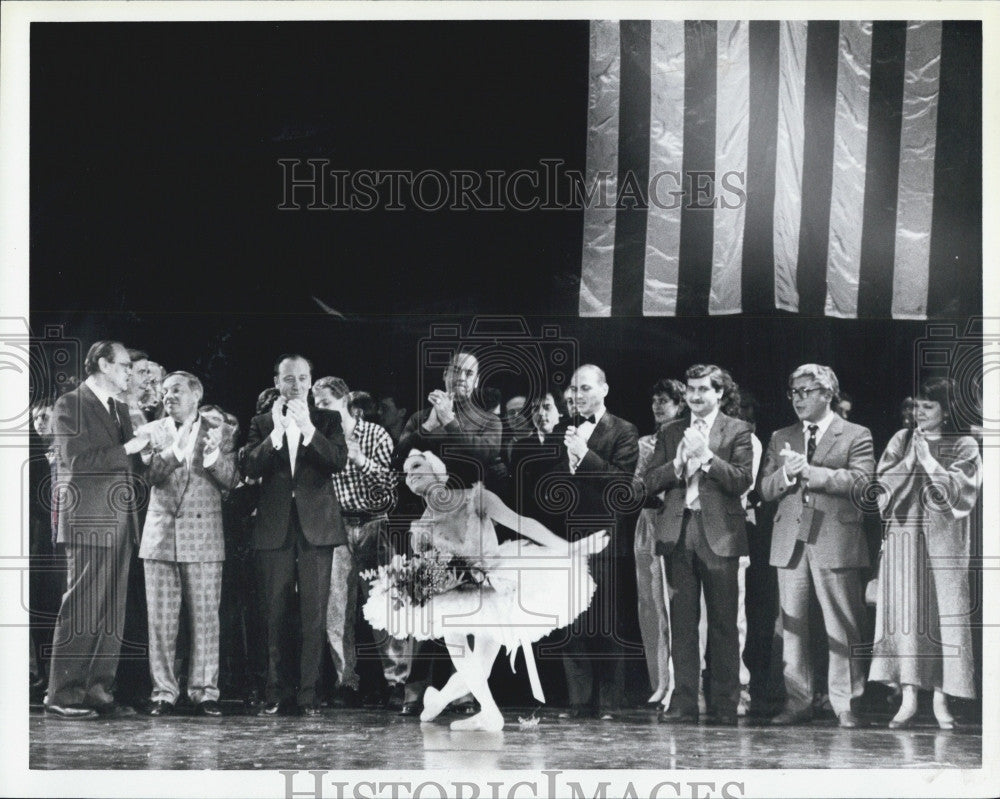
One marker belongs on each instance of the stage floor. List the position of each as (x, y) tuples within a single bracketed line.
[(374, 739)]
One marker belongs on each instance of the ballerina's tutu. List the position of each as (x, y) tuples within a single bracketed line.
[(525, 592)]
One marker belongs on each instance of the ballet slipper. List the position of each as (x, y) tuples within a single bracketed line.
[(657, 696), (484, 721), (433, 704), (944, 718)]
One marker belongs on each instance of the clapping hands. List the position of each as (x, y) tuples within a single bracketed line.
[(796, 464)]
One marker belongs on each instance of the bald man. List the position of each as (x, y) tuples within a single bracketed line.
[(601, 452)]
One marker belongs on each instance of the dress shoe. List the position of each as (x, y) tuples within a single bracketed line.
[(281, 708), (904, 724), (410, 709), (677, 716), (787, 718), (347, 698), (208, 708), (112, 710), (607, 715), (160, 708), (465, 708), (947, 724), (848, 720), (723, 720), (71, 712), (311, 710), (394, 700), (576, 712)]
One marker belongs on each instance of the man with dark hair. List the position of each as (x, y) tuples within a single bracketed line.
[(703, 464), (98, 523), (601, 450), (467, 438), (366, 491), (391, 416), (192, 467), (361, 405), (813, 471), (295, 451)]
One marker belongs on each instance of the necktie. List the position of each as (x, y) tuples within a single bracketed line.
[(114, 417), (693, 473), (811, 443)]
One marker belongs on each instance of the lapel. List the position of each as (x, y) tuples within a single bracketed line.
[(715, 433), (98, 409), (825, 444), (602, 431)]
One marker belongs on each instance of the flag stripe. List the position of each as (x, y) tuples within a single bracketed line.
[(955, 279), (666, 162), (695, 273), (758, 239), (849, 154), (732, 129), (878, 239), (915, 198), (602, 169), (788, 171), (817, 164), (633, 170)]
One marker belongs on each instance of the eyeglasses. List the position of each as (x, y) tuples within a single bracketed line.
[(802, 393)]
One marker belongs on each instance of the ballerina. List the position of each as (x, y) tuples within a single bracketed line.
[(499, 595)]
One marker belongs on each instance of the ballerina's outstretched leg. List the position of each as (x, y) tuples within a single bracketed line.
[(474, 665)]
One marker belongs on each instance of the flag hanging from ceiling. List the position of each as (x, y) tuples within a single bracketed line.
[(822, 168)]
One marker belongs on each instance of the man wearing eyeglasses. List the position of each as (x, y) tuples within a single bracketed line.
[(98, 501), (703, 464), (816, 471)]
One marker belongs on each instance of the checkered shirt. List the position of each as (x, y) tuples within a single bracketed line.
[(370, 487)]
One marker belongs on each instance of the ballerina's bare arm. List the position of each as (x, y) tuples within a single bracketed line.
[(529, 528)]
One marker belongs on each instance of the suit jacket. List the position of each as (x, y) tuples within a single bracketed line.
[(99, 495), (311, 488), (469, 444), (603, 481), (719, 489), (533, 493), (827, 511), (184, 520)]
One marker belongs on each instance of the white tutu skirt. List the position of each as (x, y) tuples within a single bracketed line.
[(529, 591)]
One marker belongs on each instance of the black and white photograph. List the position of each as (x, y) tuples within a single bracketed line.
[(498, 400)]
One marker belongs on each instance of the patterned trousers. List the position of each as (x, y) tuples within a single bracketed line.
[(198, 586), (365, 543)]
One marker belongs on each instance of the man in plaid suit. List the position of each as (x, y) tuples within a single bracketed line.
[(191, 468)]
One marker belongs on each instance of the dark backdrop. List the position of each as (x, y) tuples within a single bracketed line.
[(155, 187)]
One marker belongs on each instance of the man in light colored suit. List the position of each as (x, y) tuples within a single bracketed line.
[(816, 470), (703, 464), (190, 470)]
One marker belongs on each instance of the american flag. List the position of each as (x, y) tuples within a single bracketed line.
[(817, 167)]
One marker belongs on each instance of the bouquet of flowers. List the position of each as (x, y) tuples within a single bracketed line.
[(412, 581)]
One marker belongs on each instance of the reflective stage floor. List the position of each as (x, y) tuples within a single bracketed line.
[(375, 739)]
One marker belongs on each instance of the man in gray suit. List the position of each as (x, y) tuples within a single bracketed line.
[(98, 502), (815, 470)]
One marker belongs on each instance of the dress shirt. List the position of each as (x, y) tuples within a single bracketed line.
[(823, 425), (585, 431), (293, 434)]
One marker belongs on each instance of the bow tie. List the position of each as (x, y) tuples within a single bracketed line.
[(581, 419)]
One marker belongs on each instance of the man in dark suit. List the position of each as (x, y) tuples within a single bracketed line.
[(601, 453), (467, 438), (703, 463), (813, 471), (98, 504), (294, 451)]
